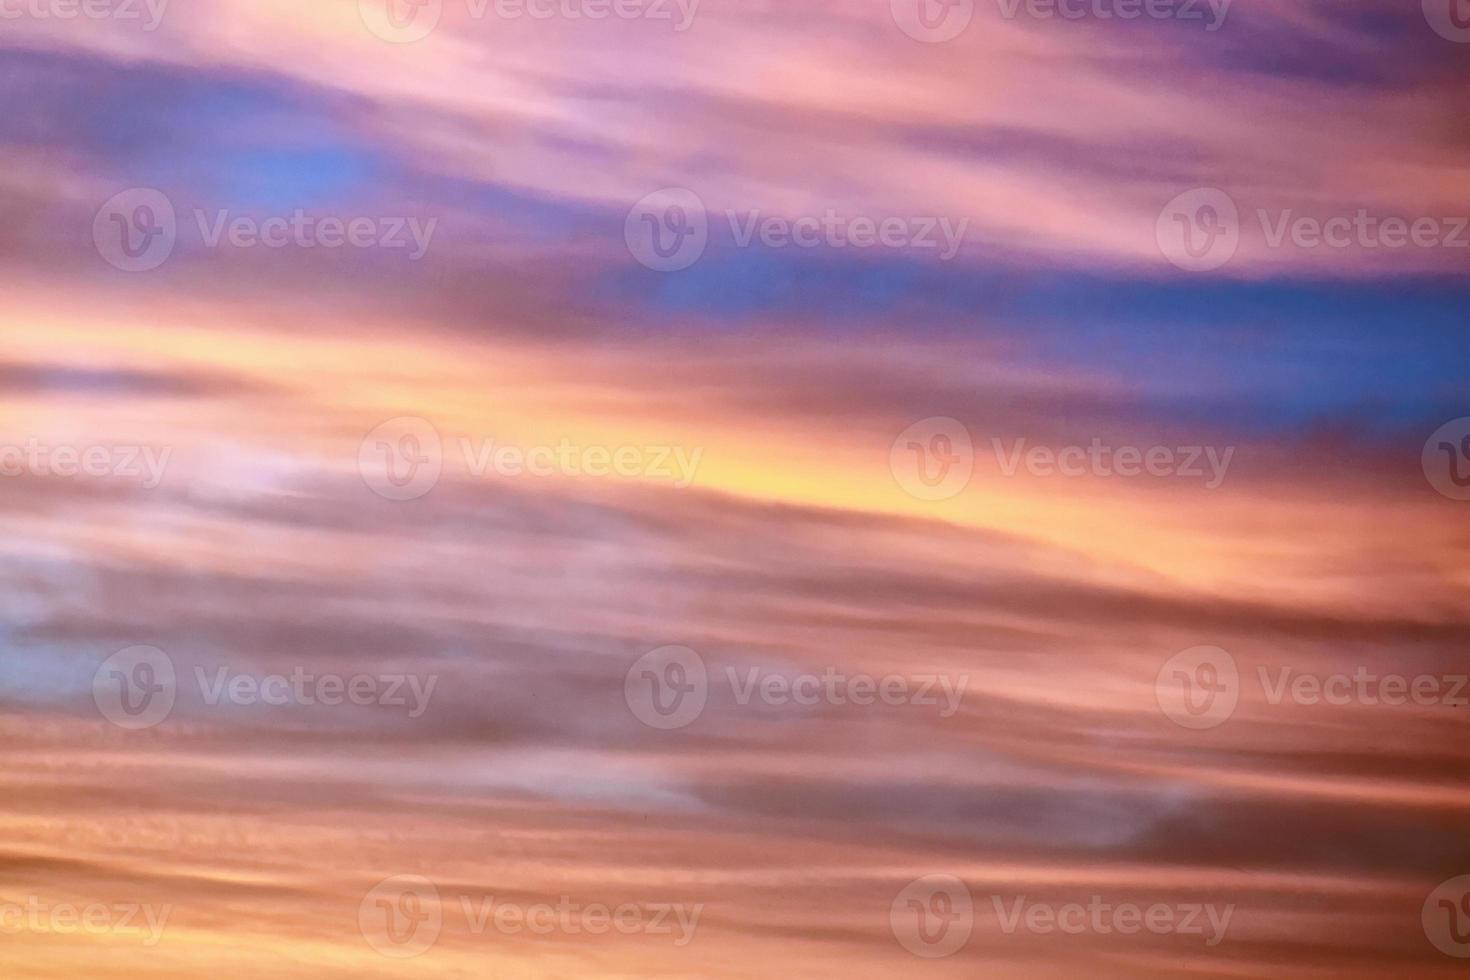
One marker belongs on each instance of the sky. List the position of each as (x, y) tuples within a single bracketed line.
[(662, 489)]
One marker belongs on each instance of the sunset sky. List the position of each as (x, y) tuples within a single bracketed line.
[(1044, 391)]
